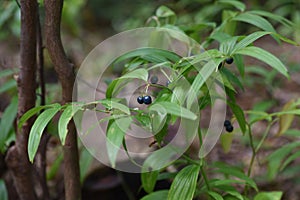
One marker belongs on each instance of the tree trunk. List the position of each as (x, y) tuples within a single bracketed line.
[(17, 157), (65, 71)]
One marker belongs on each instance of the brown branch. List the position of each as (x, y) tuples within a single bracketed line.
[(40, 158), (17, 158), (65, 71)]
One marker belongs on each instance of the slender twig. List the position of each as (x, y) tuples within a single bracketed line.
[(66, 75), (90, 85), (18, 3), (264, 135), (203, 173), (252, 157), (253, 150), (40, 159), (201, 163), (195, 162)]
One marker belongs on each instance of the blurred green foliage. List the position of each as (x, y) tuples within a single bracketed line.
[(9, 19), (119, 15)]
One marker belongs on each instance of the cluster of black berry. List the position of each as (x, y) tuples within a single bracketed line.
[(144, 99), (147, 99), (228, 126)]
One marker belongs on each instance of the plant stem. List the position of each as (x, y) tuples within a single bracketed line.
[(264, 136), (203, 173), (253, 150), (252, 157), (190, 160)]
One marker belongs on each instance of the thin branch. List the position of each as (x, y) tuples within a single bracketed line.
[(17, 2), (40, 158), (65, 72), (17, 157)]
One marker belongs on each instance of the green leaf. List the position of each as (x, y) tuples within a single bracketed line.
[(166, 175), (207, 56), (173, 109), (294, 112), (219, 36), (256, 116), (161, 157), (158, 119), (7, 120), (8, 85), (226, 141), (249, 40), (201, 78), (138, 73), (239, 5), (226, 182), (3, 190), (276, 158), (290, 159), (159, 136), (239, 62), (115, 133), (233, 171), (149, 51), (184, 184), (38, 128), (255, 20), (273, 16), (54, 168), (268, 196), (34, 111), (179, 92), (158, 195), (149, 180), (114, 86), (230, 26), (232, 78), (285, 121), (264, 56), (8, 72), (113, 104), (215, 195), (224, 80), (64, 120), (239, 115), (227, 46), (85, 162), (164, 11), (235, 194), (293, 132)]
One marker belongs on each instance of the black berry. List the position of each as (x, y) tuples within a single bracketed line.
[(229, 128), (147, 100), (154, 80), (220, 65), (227, 123), (140, 100), (229, 60)]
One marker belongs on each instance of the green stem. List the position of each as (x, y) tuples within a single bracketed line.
[(256, 149), (253, 150), (264, 136), (252, 157), (203, 173), (200, 136), (190, 160), (201, 163)]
